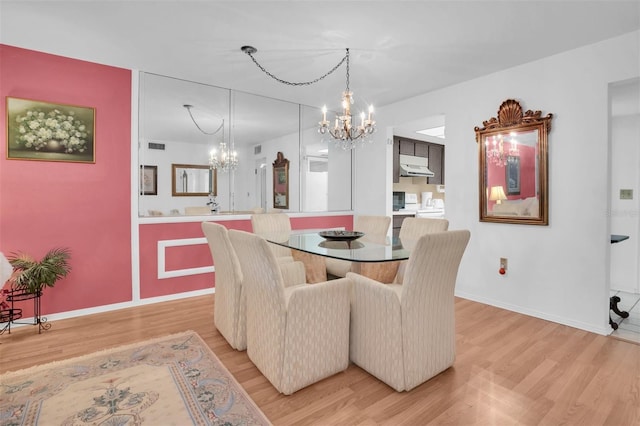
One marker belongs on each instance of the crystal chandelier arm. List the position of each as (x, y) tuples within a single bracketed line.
[(249, 50), (188, 107)]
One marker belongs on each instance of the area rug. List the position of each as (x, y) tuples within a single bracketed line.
[(173, 380)]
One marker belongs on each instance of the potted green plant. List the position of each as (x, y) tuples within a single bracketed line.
[(31, 276)]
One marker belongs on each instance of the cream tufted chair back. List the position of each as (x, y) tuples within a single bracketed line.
[(404, 334), (296, 335), (270, 224), (228, 314), (413, 228), (375, 229)]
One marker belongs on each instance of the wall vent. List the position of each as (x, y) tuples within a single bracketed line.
[(257, 149), (153, 145)]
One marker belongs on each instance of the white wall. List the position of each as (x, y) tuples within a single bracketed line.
[(558, 272)]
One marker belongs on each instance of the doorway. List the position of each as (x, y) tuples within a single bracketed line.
[(624, 279)]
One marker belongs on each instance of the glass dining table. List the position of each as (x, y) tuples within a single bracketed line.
[(375, 257)]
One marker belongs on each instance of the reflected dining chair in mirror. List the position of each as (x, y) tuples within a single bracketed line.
[(513, 166)]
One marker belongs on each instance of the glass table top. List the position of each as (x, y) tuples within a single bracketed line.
[(364, 249)]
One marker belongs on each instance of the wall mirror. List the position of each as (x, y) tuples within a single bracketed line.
[(513, 166), (257, 128), (281, 182), (192, 180)]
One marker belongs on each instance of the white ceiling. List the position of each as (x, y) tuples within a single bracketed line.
[(399, 49)]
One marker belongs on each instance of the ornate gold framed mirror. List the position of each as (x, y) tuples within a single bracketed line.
[(513, 160), (281, 182)]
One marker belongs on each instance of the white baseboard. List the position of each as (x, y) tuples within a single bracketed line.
[(115, 307), (605, 331)]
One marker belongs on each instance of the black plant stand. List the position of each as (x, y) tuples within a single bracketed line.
[(13, 314)]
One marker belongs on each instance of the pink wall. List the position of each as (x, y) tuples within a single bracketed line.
[(194, 256), (85, 207)]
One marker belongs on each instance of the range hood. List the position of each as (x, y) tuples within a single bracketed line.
[(414, 166)]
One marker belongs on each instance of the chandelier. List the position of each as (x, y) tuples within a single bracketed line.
[(344, 132), (222, 159), (225, 160)]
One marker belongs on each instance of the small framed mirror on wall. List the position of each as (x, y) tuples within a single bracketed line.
[(513, 165), (281, 182), (192, 180)]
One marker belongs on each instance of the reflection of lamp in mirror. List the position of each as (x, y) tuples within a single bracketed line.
[(497, 194)]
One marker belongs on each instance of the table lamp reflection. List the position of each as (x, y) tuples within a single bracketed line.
[(497, 194)]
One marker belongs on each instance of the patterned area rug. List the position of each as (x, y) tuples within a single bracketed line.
[(173, 380)]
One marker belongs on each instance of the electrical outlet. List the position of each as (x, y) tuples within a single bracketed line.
[(626, 194), (503, 266)]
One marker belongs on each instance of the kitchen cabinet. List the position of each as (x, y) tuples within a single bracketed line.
[(433, 151)]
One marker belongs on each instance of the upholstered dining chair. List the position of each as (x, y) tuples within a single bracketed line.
[(404, 334), (229, 314), (270, 224), (374, 228), (413, 228), (296, 335)]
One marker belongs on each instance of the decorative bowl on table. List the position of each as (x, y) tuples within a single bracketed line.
[(341, 235)]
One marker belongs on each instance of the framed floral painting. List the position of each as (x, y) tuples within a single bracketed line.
[(38, 130)]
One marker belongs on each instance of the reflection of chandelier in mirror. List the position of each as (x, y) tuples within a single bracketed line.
[(225, 160), (495, 149), (513, 149), (222, 159), (345, 133)]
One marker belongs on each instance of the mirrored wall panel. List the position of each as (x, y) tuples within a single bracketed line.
[(237, 136)]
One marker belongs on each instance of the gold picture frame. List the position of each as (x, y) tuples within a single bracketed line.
[(281, 182), (193, 180), (45, 131), (513, 165)]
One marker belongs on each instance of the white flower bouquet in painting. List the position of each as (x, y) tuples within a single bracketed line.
[(41, 130), (55, 130)]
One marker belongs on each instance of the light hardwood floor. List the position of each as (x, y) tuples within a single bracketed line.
[(511, 369)]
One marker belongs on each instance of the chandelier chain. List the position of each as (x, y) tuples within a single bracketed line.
[(303, 83), (188, 107), (347, 58)]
